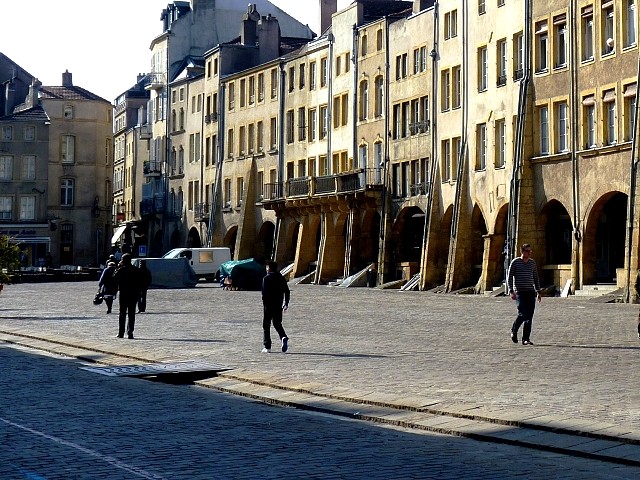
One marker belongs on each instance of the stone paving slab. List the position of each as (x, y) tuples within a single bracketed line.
[(411, 351)]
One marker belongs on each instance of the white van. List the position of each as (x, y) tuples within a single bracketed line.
[(205, 261)]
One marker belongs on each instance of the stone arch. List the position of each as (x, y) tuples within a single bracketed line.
[(407, 235), (604, 238), (478, 234), (193, 238), (156, 245), (496, 263), (230, 240), (174, 241), (264, 245), (558, 232)]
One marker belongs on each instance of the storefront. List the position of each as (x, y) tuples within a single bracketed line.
[(34, 242)]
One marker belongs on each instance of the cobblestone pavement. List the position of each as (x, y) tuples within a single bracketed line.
[(58, 422), (446, 354)]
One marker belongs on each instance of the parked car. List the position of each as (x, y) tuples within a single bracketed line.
[(205, 261)]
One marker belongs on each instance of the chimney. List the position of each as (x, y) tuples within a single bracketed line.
[(67, 80), (268, 39), (420, 5), (248, 33), (327, 8), (34, 89), (9, 97)]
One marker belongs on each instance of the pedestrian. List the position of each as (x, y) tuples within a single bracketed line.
[(48, 260), (275, 300), (108, 286), (524, 287), (128, 279), (145, 275)]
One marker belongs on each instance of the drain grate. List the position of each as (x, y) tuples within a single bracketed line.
[(186, 366)]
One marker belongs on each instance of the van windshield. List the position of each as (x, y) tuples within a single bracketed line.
[(175, 253)]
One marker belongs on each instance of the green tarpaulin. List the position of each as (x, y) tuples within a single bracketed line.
[(244, 274)]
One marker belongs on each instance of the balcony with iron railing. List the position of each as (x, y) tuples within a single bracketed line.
[(152, 168), (155, 81), (152, 206), (146, 131), (201, 212), (341, 183)]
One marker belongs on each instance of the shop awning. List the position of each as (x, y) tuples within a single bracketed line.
[(118, 233)]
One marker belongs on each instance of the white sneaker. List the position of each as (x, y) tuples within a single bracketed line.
[(266, 350)]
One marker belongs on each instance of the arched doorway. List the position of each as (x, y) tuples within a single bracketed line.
[(156, 245), (230, 240), (264, 246), (174, 242), (604, 241), (478, 233), (558, 233), (193, 239)]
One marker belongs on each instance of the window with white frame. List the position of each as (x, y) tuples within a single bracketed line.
[(586, 24), (482, 69), (562, 127), (66, 192), (518, 56), (302, 124), (324, 72), (445, 95), (312, 76), (28, 167), (629, 95), (500, 143), (609, 104), (543, 121), (446, 160), (29, 133), (607, 27), (324, 122), (6, 167), (230, 141), (227, 193), (364, 100), (501, 55), (481, 146), (273, 133), (251, 138), (542, 47), (6, 207), (450, 24), (260, 87), (456, 87), (7, 133), (274, 83), (239, 191), (629, 22), (379, 81), (589, 121), (68, 112), (260, 136), (302, 76), (252, 90), (560, 40), (362, 155), (313, 124), (27, 207)]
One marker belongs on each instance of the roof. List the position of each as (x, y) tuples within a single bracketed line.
[(35, 114), (68, 93), (376, 10)]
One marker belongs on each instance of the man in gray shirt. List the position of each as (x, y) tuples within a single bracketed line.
[(524, 288)]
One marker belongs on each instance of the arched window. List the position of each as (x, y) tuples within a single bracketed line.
[(364, 100), (379, 107)]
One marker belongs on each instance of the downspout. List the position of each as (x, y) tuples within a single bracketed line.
[(632, 188), (514, 190), (167, 150), (434, 141), (201, 193), (281, 162), (382, 243), (220, 160), (575, 266), (329, 124)]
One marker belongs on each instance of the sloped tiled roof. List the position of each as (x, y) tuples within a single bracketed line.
[(376, 10), (35, 114), (68, 93)]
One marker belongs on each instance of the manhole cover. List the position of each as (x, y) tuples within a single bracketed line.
[(147, 369)]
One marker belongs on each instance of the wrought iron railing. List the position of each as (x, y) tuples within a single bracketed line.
[(152, 167), (201, 211)]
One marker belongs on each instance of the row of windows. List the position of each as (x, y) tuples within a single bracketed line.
[(597, 24), (410, 178), (27, 203), (28, 133), (600, 122), (501, 62), (26, 167)]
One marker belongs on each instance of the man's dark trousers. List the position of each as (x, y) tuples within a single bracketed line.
[(272, 313), (127, 307), (526, 303)]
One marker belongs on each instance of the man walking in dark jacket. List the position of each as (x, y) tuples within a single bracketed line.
[(275, 299), (129, 281)]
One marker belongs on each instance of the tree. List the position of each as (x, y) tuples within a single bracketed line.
[(8, 258)]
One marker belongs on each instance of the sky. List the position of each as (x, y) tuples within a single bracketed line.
[(104, 44)]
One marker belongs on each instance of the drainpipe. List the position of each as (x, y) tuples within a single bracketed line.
[(575, 267), (434, 140), (201, 193), (514, 189), (632, 189), (281, 162), (221, 152), (382, 243), (354, 108)]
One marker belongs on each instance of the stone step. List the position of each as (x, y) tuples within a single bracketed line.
[(596, 290)]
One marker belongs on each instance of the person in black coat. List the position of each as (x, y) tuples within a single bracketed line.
[(108, 286), (275, 299), (146, 283), (129, 281)]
